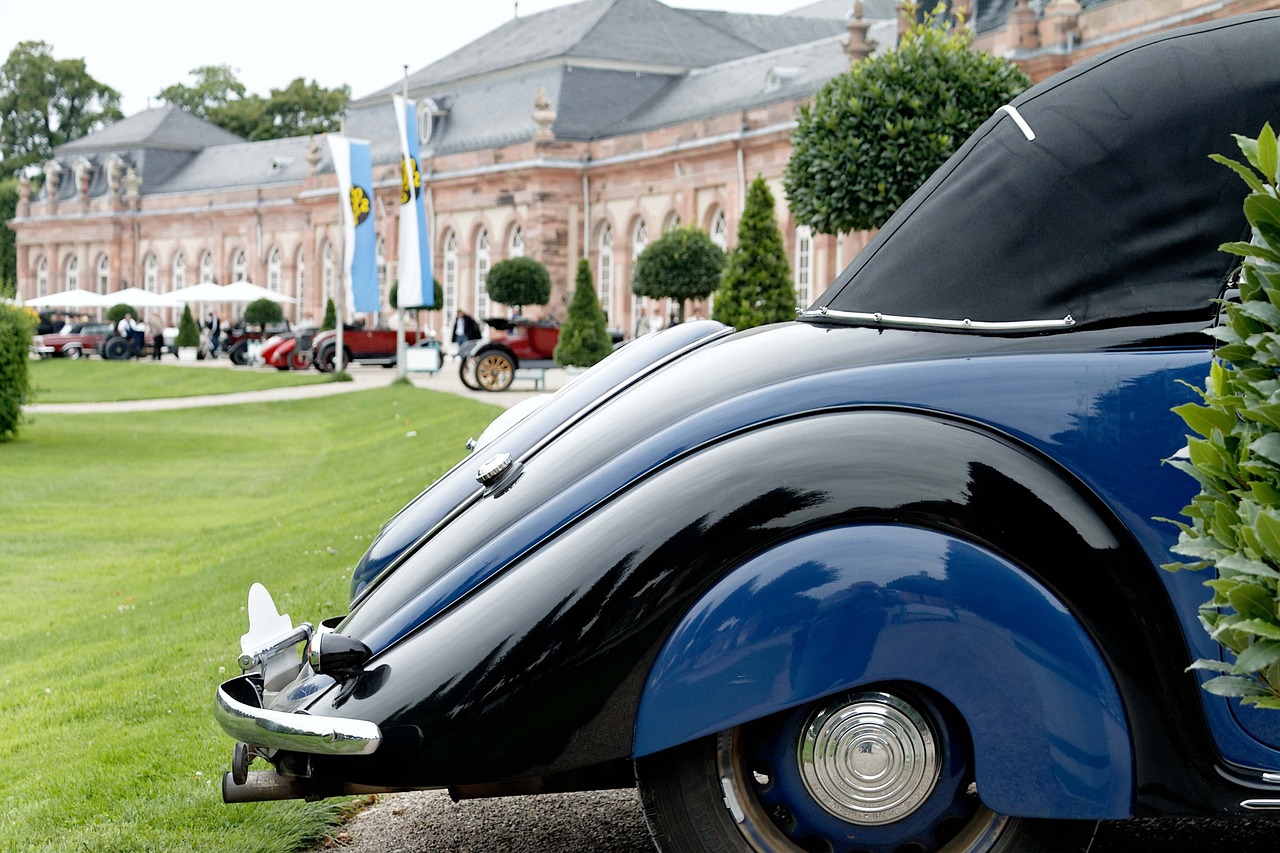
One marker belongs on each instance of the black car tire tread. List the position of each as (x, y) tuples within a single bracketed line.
[(685, 810)]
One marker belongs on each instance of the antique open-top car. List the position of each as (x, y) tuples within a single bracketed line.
[(491, 364), (886, 578)]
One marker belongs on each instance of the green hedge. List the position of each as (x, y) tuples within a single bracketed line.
[(16, 328)]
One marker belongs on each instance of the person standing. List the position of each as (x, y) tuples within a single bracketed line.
[(156, 326), (465, 328), (213, 325)]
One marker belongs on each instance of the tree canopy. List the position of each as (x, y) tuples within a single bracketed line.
[(756, 286), (262, 312), (299, 109), (875, 133), (681, 264), (8, 240), (45, 102), (519, 282)]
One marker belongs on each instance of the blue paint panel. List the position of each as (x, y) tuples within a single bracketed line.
[(861, 605)]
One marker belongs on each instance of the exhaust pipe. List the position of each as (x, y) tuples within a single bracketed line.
[(263, 785)]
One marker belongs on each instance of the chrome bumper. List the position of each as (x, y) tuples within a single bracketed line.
[(238, 709)]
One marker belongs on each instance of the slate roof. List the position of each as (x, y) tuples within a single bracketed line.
[(170, 128)]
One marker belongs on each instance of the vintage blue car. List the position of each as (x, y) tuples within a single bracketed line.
[(886, 578)]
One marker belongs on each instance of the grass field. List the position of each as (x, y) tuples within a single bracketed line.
[(86, 380), (129, 543)]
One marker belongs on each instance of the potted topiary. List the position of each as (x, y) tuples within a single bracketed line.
[(188, 341)]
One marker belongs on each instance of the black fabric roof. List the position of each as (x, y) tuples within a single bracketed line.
[(1114, 210)]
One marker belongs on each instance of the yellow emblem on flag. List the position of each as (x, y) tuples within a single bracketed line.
[(407, 180), (359, 204)]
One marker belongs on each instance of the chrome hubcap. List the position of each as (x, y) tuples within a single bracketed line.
[(869, 758)]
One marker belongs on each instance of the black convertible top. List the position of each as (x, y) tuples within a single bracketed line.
[(1112, 213)]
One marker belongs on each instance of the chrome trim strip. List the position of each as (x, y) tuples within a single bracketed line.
[(1261, 805), (935, 323), (1012, 111), (1273, 778), (258, 726)]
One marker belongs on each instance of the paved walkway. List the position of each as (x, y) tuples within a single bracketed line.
[(363, 377)]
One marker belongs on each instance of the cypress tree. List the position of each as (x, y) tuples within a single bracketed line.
[(330, 316), (756, 286), (584, 337)]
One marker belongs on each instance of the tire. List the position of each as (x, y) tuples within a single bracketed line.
[(323, 360), (300, 360), (117, 349), (239, 354), (72, 352), (467, 373), (494, 371), (749, 789)]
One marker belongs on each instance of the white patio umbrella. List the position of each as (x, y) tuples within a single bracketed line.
[(139, 298), (205, 291), (246, 291), (76, 297)]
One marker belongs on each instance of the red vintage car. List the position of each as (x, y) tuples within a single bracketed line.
[(291, 351), (80, 340), (362, 346), (491, 365)]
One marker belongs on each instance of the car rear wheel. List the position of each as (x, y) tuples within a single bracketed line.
[(117, 349), (239, 354), (467, 373), (494, 371), (864, 772), (72, 352)]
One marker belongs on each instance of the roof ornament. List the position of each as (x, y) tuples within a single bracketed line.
[(856, 44), (132, 184), (543, 115), (313, 156)]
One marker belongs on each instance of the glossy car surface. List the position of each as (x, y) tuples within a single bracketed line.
[(362, 346), (80, 340), (883, 579), (490, 365)]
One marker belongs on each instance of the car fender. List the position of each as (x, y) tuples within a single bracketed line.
[(855, 606), (495, 346)]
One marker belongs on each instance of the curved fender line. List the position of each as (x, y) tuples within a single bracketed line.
[(858, 605)]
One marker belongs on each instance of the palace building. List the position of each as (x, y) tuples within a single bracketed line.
[(581, 131)]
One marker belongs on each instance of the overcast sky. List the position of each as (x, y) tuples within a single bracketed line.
[(139, 47)]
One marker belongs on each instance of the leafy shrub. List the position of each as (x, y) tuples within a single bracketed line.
[(261, 312), (188, 334), (393, 297), (681, 264), (116, 312), (519, 282), (330, 316), (1235, 519), (584, 337), (16, 329), (756, 286)]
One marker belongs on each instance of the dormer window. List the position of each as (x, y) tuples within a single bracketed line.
[(780, 74), (430, 120)]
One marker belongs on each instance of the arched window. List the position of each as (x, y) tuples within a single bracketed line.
[(671, 223), (151, 273), (639, 240), (381, 255), (515, 245), (179, 271), (450, 282), (327, 275), (42, 278), (239, 267), (720, 230), (104, 273), (604, 272), (804, 265), (73, 272), (482, 275), (275, 269), (206, 267)]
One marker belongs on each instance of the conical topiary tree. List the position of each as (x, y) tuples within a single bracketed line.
[(188, 334), (584, 337), (756, 286), (330, 316)]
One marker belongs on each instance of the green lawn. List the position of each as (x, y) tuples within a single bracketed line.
[(89, 380), (129, 543)]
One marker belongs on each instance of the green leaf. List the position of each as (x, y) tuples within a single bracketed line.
[(1267, 528), (1243, 565), (1267, 159), (1258, 627), (1210, 666), (1250, 177), (1234, 685), (1257, 657), (1250, 250), (1204, 419), (1252, 602)]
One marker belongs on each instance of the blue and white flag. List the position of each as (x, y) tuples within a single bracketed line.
[(353, 165), (417, 286)]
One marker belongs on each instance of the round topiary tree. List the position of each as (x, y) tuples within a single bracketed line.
[(1235, 520), (116, 312), (262, 312), (188, 334), (393, 297), (681, 264), (16, 329), (756, 286), (519, 282), (584, 337), (874, 133)]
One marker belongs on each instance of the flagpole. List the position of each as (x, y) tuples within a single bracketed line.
[(402, 368)]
